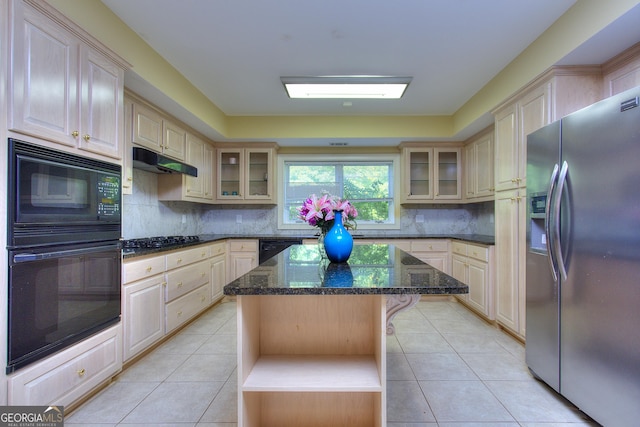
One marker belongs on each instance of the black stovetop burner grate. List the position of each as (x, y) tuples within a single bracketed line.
[(158, 242)]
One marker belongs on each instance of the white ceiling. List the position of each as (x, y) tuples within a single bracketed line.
[(235, 51)]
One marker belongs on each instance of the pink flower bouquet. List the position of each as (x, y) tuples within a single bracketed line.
[(318, 212)]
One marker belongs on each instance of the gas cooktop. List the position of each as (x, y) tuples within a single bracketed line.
[(158, 242)]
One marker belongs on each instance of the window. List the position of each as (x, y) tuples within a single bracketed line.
[(368, 183)]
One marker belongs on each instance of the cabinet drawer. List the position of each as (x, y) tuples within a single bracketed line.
[(187, 256), (429, 246), (184, 308), (480, 253), (218, 249), (70, 374), (183, 280), (459, 248), (140, 269), (243, 245)]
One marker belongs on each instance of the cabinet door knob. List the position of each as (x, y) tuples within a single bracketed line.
[(81, 372), (87, 137), (75, 133), (148, 269)]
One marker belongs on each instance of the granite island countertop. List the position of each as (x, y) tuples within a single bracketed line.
[(372, 269)]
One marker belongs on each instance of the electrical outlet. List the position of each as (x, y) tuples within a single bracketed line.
[(238, 219)]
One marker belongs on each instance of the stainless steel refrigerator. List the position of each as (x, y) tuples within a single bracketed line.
[(583, 258)]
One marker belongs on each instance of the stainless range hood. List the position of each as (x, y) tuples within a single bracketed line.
[(151, 161)]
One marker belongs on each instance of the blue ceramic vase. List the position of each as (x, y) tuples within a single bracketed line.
[(338, 242)]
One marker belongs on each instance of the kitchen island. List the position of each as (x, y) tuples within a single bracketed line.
[(312, 334)]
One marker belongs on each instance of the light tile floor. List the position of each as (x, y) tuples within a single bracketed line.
[(445, 368)]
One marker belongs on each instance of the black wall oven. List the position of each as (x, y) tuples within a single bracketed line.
[(64, 229)]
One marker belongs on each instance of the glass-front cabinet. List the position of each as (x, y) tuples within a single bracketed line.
[(230, 171), (420, 171), (431, 174), (245, 175), (447, 173)]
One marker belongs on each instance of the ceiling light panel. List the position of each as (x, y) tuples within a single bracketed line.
[(346, 87)]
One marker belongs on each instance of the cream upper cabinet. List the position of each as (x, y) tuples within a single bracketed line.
[(62, 89), (431, 174), (622, 72), (175, 140), (101, 117), (194, 185), (152, 130), (558, 92), (146, 128), (513, 124), (478, 167), (199, 153), (245, 175)]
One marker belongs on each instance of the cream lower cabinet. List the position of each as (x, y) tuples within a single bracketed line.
[(402, 244), (510, 213), (312, 360), (473, 265), (218, 263), (69, 375), (142, 303), (243, 257), (162, 293), (188, 289), (434, 252)]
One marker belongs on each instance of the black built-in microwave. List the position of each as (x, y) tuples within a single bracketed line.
[(56, 197)]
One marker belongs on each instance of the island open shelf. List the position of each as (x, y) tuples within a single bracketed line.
[(312, 360), (312, 334)]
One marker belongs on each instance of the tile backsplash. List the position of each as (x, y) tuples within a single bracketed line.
[(145, 216)]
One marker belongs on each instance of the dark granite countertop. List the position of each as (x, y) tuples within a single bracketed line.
[(371, 270), (210, 238)]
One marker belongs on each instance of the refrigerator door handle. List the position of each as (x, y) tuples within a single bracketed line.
[(562, 179), (547, 222)]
